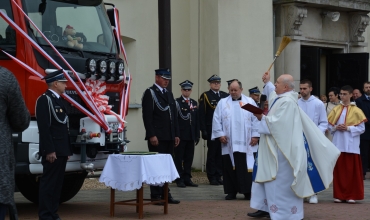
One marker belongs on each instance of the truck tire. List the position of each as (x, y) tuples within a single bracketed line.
[(28, 185)]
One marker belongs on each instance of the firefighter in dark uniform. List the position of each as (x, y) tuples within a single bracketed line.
[(187, 113), (255, 93), (54, 145), (207, 105), (160, 122)]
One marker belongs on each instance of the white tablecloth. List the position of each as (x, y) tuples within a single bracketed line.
[(128, 172)]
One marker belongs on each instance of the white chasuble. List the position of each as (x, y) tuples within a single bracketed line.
[(238, 125), (289, 167)]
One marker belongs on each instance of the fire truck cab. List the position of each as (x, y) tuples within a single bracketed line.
[(97, 59)]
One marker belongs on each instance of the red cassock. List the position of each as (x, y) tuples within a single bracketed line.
[(348, 180)]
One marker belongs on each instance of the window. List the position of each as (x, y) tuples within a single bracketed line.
[(7, 33), (90, 22)]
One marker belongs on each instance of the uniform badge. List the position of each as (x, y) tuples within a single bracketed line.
[(56, 110), (61, 110)]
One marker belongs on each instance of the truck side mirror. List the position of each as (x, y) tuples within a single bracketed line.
[(110, 13), (42, 7)]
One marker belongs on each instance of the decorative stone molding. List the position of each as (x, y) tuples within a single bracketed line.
[(357, 26), (345, 5), (294, 17)]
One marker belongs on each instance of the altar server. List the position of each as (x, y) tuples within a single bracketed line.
[(347, 123), (315, 109), (295, 159), (237, 131)]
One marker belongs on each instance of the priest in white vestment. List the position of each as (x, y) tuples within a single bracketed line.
[(237, 131), (295, 159)]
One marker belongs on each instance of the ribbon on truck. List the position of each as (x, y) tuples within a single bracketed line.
[(96, 89)]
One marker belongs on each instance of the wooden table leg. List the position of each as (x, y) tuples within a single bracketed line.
[(112, 195), (165, 189), (141, 201), (137, 200)]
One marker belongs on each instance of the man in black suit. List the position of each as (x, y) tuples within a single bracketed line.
[(207, 104), (54, 145), (363, 102), (160, 122), (187, 113)]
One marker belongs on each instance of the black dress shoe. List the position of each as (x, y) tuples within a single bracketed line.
[(230, 196), (220, 181), (180, 184), (247, 196), (259, 214), (214, 182), (190, 183), (171, 200), (156, 198)]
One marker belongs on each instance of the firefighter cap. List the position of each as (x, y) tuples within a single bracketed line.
[(55, 76), (186, 84), (214, 78), (254, 90), (165, 73)]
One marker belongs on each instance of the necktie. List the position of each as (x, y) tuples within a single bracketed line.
[(164, 91), (218, 94)]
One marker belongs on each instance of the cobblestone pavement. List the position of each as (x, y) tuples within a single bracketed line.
[(203, 202)]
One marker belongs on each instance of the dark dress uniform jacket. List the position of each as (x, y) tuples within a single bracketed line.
[(207, 105), (162, 124), (189, 129), (53, 134), (364, 104)]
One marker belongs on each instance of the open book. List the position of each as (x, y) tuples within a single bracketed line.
[(251, 108)]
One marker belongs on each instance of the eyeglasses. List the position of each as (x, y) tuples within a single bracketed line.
[(215, 82), (186, 90)]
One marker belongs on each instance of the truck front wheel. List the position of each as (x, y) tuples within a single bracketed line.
[(28, 185)]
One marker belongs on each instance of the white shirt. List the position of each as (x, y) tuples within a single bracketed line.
[(55, 93), (315, 109), (160, 88), (347, 141)]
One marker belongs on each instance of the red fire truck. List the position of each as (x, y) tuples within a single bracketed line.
[(33, 41)]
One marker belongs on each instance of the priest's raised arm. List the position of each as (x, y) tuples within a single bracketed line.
[(269, 87)]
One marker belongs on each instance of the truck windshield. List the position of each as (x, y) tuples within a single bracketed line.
[(81, 27)]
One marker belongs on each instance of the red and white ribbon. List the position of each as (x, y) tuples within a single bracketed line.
[(124, 102), (97, 89)]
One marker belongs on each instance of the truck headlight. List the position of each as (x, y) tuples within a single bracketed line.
[(120, 68), (102, 65), (112, 67), (91, 65)]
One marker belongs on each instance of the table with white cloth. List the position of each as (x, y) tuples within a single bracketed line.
[(130, 172)]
